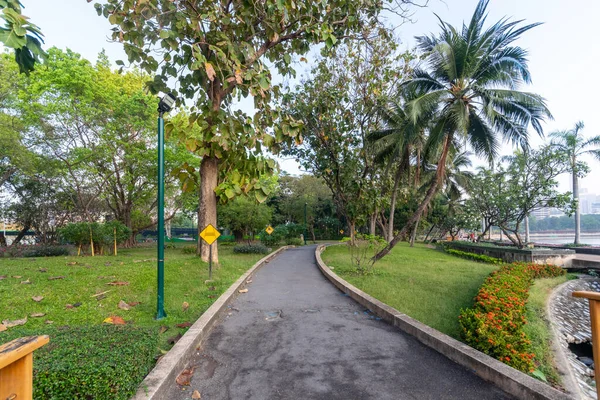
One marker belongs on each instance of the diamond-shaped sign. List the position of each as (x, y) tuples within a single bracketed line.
[(342, 231), (269, 229), (210, 234)]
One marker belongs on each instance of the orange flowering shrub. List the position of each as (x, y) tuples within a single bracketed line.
[(494, 325)]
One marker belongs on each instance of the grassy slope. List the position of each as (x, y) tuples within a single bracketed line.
[(184, 281), (424, 283), (538, 328)]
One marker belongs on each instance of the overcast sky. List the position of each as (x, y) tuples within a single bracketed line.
[(562, 52)]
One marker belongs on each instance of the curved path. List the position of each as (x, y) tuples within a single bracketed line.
[(295, 336)]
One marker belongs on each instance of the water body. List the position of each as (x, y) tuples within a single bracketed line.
[(592, 239)]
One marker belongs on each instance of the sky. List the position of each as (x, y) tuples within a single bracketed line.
[(563, 52)]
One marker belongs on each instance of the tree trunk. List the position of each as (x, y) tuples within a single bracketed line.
[(2, 240), (526, 229), (352, 227), (390, 232), (576, 201), (207, 211), (383, 227), (414, 233), (372, 221), (441, 167), (20, 235), (429, 233)]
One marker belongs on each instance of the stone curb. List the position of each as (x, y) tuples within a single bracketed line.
[(506, 378), (164, 373)]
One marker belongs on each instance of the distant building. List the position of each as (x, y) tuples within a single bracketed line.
[(546, 212)]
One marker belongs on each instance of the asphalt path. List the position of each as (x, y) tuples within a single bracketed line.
[(295, 336)]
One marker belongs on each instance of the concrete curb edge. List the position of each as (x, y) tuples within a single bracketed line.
[(506, 378), (164, 373)]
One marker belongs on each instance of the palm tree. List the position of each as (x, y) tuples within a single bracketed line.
[(573, 144), (395, 145), (471, 84)]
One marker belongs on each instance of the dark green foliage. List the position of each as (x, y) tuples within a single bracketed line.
[(288, 233), (257, 248), (95, 362), (474, 257), (34, 251)]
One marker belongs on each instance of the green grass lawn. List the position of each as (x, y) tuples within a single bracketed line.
[(89, 359), (185, 277), (538, 328), (426, 284)]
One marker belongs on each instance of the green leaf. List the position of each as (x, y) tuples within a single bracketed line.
[(164, 34), (260, 196), (264, 83)]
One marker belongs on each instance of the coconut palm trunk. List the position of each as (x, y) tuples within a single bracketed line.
[(576, 201)]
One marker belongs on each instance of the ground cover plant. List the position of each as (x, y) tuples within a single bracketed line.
[(495, 323), (428, 285), (473, 256), (51, 294)]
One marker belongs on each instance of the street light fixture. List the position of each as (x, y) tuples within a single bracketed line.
[(165, 105)]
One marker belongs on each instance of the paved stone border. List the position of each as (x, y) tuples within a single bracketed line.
[(164, 373), (506, 378)]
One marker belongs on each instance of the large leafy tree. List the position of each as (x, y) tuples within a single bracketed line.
[(220, 51), (572, 143), (21, 35), (471, 84), (338, 105)]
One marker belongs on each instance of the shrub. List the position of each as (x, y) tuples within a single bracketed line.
[(34, 251), (494, 325), (257, 248), (363, 249), (188, 249), (474, 257), (95, 362), (294, 242)]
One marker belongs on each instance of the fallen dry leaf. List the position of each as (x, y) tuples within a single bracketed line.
[(27, 282), (17, 276), (3, 328), (134, 303), (76, 304), (121, 263), (163, 329), (2, 277), (212, 288), (211, 296), (184, 325), (118, 283), (52, 278), (37, 315), (43, 270), (196, 395), (185, 376), (124, 306), (37, 298), (243, 290), (69, 306), (249, 280), (101, 297), (174, 339), (107, 264), (9, 324), (115, 320), (48, 322), (185, 306), (72, 263)]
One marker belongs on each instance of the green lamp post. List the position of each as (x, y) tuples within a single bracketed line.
[(165, 105)]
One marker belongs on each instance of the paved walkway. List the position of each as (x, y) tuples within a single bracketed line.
[(295, 336)]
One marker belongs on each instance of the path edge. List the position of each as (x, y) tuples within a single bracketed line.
[(163, 375), (506, 378)]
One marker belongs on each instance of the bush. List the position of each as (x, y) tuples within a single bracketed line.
[(188, 249), (294, 242), (363, 249), (34, 251), (257, 248), (494, 325), (474, 257), (95, 362)]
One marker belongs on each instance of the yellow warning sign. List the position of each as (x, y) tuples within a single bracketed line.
[(210, 234), (341, 231), (269, 229)]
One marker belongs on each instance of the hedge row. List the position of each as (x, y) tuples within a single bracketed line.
[(474, 257), (494, 325)]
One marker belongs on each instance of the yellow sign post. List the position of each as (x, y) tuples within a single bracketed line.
[(210, 234), (269, 229)]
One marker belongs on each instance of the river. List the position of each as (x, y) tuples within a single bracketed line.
[(561, 238)]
